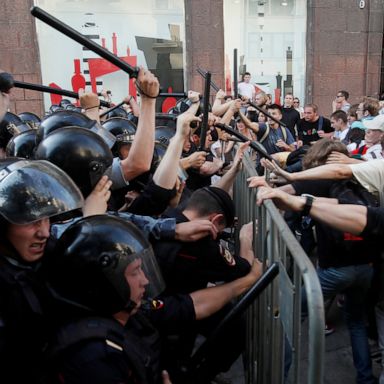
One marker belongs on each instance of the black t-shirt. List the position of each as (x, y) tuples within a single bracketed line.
[(291, 117), (375, 226), (336, 248), (307, 130)]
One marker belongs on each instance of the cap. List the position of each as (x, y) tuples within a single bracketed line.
[(376, 123), (224, 201), (358, 124)]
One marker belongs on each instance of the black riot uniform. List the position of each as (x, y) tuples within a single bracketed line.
[(29, 191), (187, 267), (90, 344)]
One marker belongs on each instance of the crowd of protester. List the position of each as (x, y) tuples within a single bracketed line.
[(116, 249)]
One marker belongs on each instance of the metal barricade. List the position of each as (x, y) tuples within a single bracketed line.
[(274, 323)]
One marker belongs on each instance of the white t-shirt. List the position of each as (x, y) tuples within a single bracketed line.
[(370, 175), (246, 89)]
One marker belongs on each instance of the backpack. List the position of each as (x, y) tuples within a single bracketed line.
[(266, 133)]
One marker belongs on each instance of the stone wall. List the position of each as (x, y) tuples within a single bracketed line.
[(19, 53), (344, 48)]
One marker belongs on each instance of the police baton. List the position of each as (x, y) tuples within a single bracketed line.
[(88, 43), (56, 91), (243, 304), (235, 82), (253, 144), (6, 82), (264, 112), (204, 125), (203, 74)]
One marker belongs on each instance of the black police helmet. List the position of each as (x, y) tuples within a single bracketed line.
[(88, 265), (62, 119), (123, 129), (117, 112), (10, 126), (71, 119), (22, 145), (64, 103), (55, 108), (33, 190), (81, 153), (30, 119)]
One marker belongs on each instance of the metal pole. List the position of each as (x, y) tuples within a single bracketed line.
[(56, 91)]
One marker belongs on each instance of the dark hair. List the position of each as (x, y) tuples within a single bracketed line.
[(208, 200), (345, 94), (245, 74), (356, 135), (274, 106), (353, 111), (313, 106), (339, 114), (318, 153), (371, 105)]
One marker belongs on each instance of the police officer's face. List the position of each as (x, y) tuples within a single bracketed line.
[(29, 240), (137, 281)]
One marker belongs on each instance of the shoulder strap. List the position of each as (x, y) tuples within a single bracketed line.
[(284, 131), (87, 329), (265, 134), (320, 123)]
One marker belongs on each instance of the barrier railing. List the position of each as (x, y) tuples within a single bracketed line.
[(274, 322)]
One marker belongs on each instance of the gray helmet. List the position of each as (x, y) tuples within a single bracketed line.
[(33, 190)]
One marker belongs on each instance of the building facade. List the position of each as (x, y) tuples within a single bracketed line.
[(310, 48)]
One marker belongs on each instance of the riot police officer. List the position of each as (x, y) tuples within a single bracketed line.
[(31, 194)]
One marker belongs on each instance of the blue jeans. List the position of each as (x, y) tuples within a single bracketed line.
[(353, 281)]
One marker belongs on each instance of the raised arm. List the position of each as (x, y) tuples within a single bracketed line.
[(166, 173), (141, 152)]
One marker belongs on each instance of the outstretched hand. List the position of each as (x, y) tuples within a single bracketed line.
[(96, 202)]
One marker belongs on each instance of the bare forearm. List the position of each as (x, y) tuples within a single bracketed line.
[(345, 217), (166, 172), (93, 113), (227, 180), (219, 109), (211, 167), (210, 300), (141, 152), (328, 171)]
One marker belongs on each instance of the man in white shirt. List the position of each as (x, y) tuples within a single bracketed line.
[(339, 122), (245, 88)]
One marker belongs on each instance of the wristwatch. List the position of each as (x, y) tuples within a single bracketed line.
[(308, 204)]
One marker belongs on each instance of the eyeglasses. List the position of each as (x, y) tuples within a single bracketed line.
[(296, 102)]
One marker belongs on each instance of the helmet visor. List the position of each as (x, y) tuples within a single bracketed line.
[(33, 190), (107, 136), (148, 268)]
